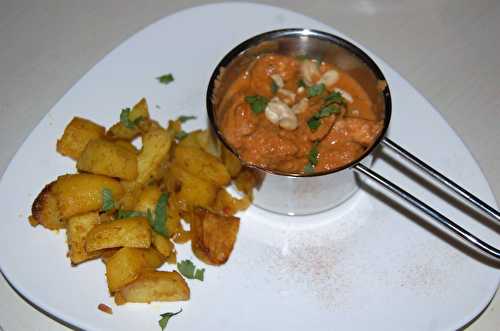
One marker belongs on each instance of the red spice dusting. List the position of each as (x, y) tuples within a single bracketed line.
[(105, 308)]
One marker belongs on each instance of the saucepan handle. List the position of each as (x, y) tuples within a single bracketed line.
[(443, 220)]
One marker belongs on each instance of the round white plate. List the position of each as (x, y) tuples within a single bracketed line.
[(370, 264)]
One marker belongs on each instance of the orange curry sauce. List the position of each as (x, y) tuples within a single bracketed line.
[(336, 138)]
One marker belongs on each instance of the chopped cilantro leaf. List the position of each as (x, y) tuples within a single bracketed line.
[(125, 119), (257, 103), (184, 119), (313, 123), (159, 219), (165, 79), (165, 318), (188, 270), (312, 158), (129, 213), (161, 215), (181, 135), (301, 83), (315, 90), (308, 169), (107, 200), (335, 97)]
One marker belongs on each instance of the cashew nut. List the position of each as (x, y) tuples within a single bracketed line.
[(289, 96), (279, 113), (344, 94), (309, 71), (300, 106), (329, 78), (278, 80)]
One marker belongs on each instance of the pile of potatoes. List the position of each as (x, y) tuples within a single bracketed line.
[(107, 207)]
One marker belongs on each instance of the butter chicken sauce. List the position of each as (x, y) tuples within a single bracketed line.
[(297, 115)]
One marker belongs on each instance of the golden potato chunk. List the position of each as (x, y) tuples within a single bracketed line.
[(129, 232), (226, 204), (125, 265), (201, 139), (83, 193), (77, 229), (155, 146), (154, 286), (213, 236), (148, 199), (139, 115), (45, 210), (76, 136), (199, 163), (163, 245), (246, 181), (190, 190), (232, 163), (127, 145), (103, 157)]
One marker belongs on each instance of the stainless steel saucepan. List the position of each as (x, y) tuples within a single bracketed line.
[(301, 194)]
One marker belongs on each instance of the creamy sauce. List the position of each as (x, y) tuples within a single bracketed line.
[(340, 137)]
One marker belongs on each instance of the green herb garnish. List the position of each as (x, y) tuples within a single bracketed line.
[(181, 135), (184, 119), (274, 87), (312, 158), (301, 83), (165, 318), (315, 121), (125, 119), (159, 219), (188, 270), (257, 103), (107, 200), (315, 90), (165, 79), (335, 97), (129, 213)]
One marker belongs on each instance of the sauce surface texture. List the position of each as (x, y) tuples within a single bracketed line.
[(297, 115)]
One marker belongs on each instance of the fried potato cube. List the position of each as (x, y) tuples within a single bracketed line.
[(190, 190), (77, 229), (202, 139), (139, 111), (228, 205), (103, 157), (246, 181), (148, 198), (129, 232), (154, 286), (125, 265), (163, 245), (200, 163), (82, 193), (76, 136), (232, 163), (45, 210), (127, 145), (213, 236), (155, 146)]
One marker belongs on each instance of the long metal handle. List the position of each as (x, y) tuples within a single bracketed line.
[(443, 220)]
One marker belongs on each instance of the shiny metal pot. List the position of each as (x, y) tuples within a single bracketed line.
[(300, 194)]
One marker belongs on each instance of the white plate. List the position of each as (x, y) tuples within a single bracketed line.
[(369, 264)]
